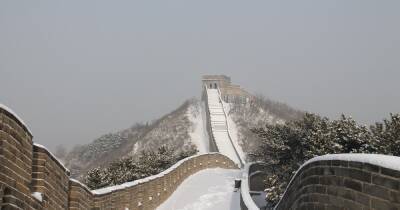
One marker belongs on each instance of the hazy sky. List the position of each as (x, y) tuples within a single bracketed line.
[(74, 70)]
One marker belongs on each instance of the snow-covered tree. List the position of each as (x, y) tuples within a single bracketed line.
[(387, 135), (286, 147), (130, 168)]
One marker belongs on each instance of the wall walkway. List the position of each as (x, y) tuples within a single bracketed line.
[(218, 126)]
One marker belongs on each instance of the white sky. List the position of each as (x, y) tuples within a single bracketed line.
[(74, 70)]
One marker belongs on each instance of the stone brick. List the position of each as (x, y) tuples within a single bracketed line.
[(390, 172), (394, 197), (348, 185), (376, 191), (371, 168), (362, 199), (386, 182), (384, 205), (352, 184)]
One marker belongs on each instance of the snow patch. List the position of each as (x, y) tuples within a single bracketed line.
[(38, 196), (210, 189), (80, 183), (2, 106), (198, 133), (135, 148), (51, 154), (386, 161)]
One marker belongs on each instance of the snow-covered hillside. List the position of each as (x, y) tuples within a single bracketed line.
[(198, 132), (243, 117), (181, 130)]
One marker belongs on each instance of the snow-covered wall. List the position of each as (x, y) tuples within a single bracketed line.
[(16, 160), (31, 177), (345, 181), (150, 192), (218, 127), (246, 200)]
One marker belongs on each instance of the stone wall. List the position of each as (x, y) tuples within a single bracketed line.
[(212, 144), (150, 192), (50, 178), (79, 196), (344, 184), (27, 168), (252, 195), (16, 154)]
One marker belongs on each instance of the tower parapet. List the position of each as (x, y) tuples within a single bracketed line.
[(230, 93)]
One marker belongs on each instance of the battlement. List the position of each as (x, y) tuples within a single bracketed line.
[(230, 93)]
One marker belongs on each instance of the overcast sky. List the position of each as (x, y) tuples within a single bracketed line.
[(74, 70)]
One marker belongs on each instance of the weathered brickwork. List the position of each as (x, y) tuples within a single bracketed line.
[(50, 178), (27, 168), (212, 143), (16, 150), (337, 184), (79, 196), (151, 193)]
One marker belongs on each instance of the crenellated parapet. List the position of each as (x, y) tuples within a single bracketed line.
[(32, 178)]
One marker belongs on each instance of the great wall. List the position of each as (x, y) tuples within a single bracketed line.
[(32, 178)]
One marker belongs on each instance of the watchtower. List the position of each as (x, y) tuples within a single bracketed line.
[(216, 81), (230, 93)]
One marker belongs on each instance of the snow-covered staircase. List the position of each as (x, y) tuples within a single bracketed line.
[(219, 127)]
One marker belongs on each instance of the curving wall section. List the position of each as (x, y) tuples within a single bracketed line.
[(148, 193), (32, 178), (345, 181), (252, 196), (16, 160)]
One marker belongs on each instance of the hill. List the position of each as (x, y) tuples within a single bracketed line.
[(180, 130), (255, 114)]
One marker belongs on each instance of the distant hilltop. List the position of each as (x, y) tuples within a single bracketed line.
[(230, 93), (183, 129)]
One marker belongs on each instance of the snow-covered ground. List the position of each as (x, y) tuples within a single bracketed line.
[(209, 189), (220, 128), (198, 134)]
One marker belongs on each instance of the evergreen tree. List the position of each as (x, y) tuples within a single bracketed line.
[(387, 135), (129, 169), (286, 147)]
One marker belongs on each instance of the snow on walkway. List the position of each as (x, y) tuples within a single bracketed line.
[(219, 126), (209, 189)]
